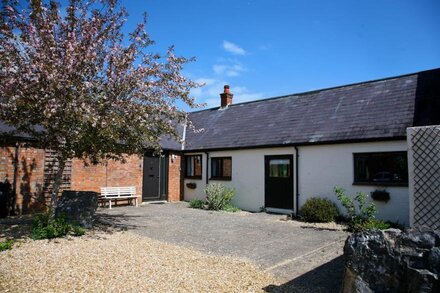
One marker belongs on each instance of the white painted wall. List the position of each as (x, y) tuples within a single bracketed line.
[(247, 176), (321, 168), (325, 166)]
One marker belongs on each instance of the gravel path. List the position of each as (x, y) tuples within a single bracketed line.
[(123, 262), (267, 240), (172, 248)]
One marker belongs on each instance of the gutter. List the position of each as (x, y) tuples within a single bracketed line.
[(201, 149), (207, 169), (296, 180)]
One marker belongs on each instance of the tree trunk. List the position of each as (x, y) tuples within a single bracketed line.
[(56, 187)]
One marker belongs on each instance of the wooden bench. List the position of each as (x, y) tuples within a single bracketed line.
[(118, 193)]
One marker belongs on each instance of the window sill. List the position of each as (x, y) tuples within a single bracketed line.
[(221, 178), (381, 184), (193, 177)]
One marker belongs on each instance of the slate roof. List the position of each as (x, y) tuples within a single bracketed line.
[(374, 110)]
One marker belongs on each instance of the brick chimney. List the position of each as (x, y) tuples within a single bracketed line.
[(226, 97)]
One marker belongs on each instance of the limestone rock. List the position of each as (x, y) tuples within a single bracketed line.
[(78, 206), (393, 261)]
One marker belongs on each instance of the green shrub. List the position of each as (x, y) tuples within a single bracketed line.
[(375, 224), (319, 210), (44, 228), (218, 196), (78, 231), (230, 208), (360, 216), (196, 203), (7, 244)]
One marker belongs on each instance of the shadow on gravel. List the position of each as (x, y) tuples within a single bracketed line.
[(15, 228), (323, 279), (119, 221), (319, 228), (19, 227)]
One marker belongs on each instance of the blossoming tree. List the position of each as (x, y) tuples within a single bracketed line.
[(77, 85)]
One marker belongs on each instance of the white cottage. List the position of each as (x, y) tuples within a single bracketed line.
[(279, 152), (276, 152)]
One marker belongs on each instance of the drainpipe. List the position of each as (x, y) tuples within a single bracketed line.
[(182, 147), (207, 169), (296, 179)]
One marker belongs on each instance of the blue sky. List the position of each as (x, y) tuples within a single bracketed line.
[(265, 48), (268, 48)]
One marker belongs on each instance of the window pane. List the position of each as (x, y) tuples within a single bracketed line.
[(189, 166), (193, 166), (227, 167), (279, 168), (381, 168), (198, 166), (215, 169), (221, 168)]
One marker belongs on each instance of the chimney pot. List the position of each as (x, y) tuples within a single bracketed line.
[(226, 97)]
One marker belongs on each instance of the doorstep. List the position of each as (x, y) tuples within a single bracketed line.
[(279, 211), (154, 202)]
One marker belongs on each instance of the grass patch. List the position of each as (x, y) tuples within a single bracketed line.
[(7, 244)]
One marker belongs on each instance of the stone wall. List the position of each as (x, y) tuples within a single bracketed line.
[(393, 261)]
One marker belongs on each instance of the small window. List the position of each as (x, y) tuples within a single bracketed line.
[(390, 168), (193, 166), (279, 168), (221, 168)]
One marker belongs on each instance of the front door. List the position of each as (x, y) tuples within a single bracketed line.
[(279, 182), (151, 179)]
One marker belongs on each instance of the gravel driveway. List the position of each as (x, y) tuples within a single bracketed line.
[(304, 257)]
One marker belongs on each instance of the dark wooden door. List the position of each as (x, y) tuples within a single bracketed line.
[(279, 181), (151, 179)]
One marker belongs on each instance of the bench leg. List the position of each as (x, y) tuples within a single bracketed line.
[(110, 204), (136, 201)]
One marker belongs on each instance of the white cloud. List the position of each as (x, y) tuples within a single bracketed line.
[(228, 70), (233, 48), (205, 81), (264, 47), (219, 68), (210, 93), (225, 70)]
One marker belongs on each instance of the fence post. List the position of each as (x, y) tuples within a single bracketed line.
[(424, 176), (409, 133)]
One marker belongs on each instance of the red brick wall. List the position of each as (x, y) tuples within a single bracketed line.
[(93, 177), (114, 173), (174, 178), (30, 177)]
